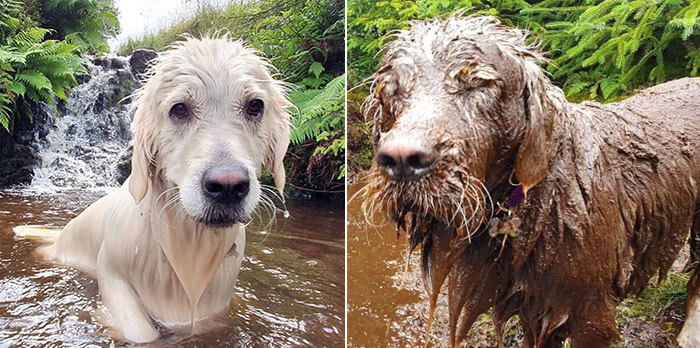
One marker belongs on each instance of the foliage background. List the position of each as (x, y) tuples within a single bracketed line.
[(602, 50), (40, 42)]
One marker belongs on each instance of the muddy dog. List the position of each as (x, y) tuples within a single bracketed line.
[(521, 201), (166, 247)]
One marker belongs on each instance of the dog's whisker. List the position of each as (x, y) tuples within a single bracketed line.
[(274, 193), (169, 203), (166, 192)]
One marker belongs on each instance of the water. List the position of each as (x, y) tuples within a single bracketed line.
[(290, 291), (380, 313), (91, 130)]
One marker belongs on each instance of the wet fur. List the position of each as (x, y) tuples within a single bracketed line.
[(611, 190)]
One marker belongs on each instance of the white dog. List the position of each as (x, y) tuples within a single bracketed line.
[(167, 246)]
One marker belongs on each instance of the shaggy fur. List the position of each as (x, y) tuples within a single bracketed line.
[(611, 191), (162, 252)]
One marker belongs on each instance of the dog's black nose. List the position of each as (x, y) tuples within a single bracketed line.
[(226, 184), (405, 162)]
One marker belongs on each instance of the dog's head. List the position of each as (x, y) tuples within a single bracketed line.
[(459, 106), (207, 118)]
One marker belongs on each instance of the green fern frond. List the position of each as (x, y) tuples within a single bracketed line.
[(320, 111), (34, 79)]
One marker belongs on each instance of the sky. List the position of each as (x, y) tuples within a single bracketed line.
[(139, 17)]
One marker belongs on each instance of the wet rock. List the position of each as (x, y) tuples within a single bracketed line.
[(123, 168), (17, 170), (140, 60), (81, 144), (117, 63)]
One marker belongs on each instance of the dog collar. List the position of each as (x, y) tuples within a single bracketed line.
[(515, 198)]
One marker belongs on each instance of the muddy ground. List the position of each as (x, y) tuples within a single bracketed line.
[(637, 330)]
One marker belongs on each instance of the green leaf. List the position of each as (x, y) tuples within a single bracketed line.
[(316, 69), (34, 79), (17, 87)]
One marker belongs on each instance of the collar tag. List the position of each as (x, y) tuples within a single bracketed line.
[(504, 223)]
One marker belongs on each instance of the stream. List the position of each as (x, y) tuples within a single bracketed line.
[(290, 291)]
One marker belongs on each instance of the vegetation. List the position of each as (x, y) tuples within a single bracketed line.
[(304, 39), (322, 119), (84, 23), (39, 46), (599, 49), (33, 68)]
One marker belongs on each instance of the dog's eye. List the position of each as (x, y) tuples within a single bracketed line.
[(254, 109), (179, 112)]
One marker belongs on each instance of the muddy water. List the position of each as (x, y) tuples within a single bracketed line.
[(381, 313), (290, 291)]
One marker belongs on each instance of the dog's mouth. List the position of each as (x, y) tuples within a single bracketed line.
[(221, 216), (458, 202)]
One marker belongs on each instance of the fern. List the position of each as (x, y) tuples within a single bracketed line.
[(629, 43), (33, 79), (32, 69), (84, 23), (321, 118), (599, 48)]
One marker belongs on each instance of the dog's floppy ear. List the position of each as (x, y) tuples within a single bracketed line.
[(276, 167), (141, 160), (541, 109), (279, 138)]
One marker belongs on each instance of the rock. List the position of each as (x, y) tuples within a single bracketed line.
[(117, 63), (17, 170), (123, 167), (140, 60)]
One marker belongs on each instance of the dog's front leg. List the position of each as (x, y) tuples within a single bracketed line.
[(128, 315)]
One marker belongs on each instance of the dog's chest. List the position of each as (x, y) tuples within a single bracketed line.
[(184, 280)]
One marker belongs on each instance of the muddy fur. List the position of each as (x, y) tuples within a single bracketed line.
[(611, 190)]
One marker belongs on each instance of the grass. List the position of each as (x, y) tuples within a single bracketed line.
[(657, 299)]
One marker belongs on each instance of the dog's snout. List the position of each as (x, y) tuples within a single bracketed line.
[(226, 184), (402, 161)]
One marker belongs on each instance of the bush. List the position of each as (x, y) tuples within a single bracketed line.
[(599, 49), (32, 69), (321, 119), (85, 23), (607, 50)]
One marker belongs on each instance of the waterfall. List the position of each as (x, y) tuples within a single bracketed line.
[(91, 130)]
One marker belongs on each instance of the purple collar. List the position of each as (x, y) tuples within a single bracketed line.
[(515, 198)]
